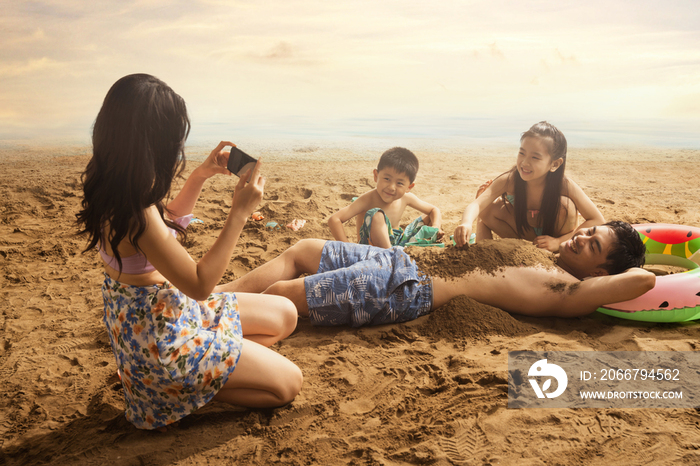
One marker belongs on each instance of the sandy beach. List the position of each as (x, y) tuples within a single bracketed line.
[(431, 391)]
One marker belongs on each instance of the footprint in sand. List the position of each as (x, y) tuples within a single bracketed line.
[(467, 445)]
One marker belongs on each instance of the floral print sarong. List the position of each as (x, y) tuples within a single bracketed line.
[(173, 353)]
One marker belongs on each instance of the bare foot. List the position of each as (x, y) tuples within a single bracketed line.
[(168, 427)]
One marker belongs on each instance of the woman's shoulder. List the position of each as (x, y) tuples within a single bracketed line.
[(152, 215)]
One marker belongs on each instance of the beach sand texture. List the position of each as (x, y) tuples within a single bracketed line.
[(432, 391)]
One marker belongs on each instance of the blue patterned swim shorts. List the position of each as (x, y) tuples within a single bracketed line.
[(360, 285)]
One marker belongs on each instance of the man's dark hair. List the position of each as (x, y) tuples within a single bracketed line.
[(400, 159), (627, 252)]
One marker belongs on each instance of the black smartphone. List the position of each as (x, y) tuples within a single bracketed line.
[(239, 162)]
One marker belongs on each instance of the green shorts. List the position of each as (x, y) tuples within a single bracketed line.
[(397, 236)]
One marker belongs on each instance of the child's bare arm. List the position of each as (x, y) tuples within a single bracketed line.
[(336, 221), (464, 229), (592, 217), (433, 213), (589, 211)]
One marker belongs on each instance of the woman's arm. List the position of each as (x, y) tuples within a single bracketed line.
[(198, 279), (215, 163)]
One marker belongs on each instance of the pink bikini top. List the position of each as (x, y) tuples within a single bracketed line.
[(137, 263)]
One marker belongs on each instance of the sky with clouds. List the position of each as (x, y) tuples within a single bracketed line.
[(286, 66)]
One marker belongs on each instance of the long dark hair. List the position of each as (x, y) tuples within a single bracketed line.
[(551, 198), (137, 150)]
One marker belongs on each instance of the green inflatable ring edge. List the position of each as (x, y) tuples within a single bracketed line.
[(672, 315)]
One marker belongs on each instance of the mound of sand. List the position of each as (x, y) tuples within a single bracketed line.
[(463, 319), (488, 256)]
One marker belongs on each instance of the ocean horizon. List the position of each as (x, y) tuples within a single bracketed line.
[(371, 136)]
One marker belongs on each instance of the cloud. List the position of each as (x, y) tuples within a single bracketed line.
[(496, 52), (564, 59), (28, 67), (21, 38), (281, 51)]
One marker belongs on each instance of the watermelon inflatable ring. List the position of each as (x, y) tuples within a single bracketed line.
[(675, 297)]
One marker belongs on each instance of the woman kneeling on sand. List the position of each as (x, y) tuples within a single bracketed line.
[(179, 342)]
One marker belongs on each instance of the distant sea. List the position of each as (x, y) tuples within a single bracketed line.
[(369, 137), (373, 136)]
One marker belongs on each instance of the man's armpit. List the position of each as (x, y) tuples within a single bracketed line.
[(562, 287)]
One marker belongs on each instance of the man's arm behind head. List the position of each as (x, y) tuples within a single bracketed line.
[(552, 292), (595, 292)]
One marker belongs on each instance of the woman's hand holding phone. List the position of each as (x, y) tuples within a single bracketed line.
[(249, 191), (215, 163), (239, 162)]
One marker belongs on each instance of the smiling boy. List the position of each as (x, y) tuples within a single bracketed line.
[(377, 210)]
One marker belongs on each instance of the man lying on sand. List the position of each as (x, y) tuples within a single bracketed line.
[(359, 285)]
